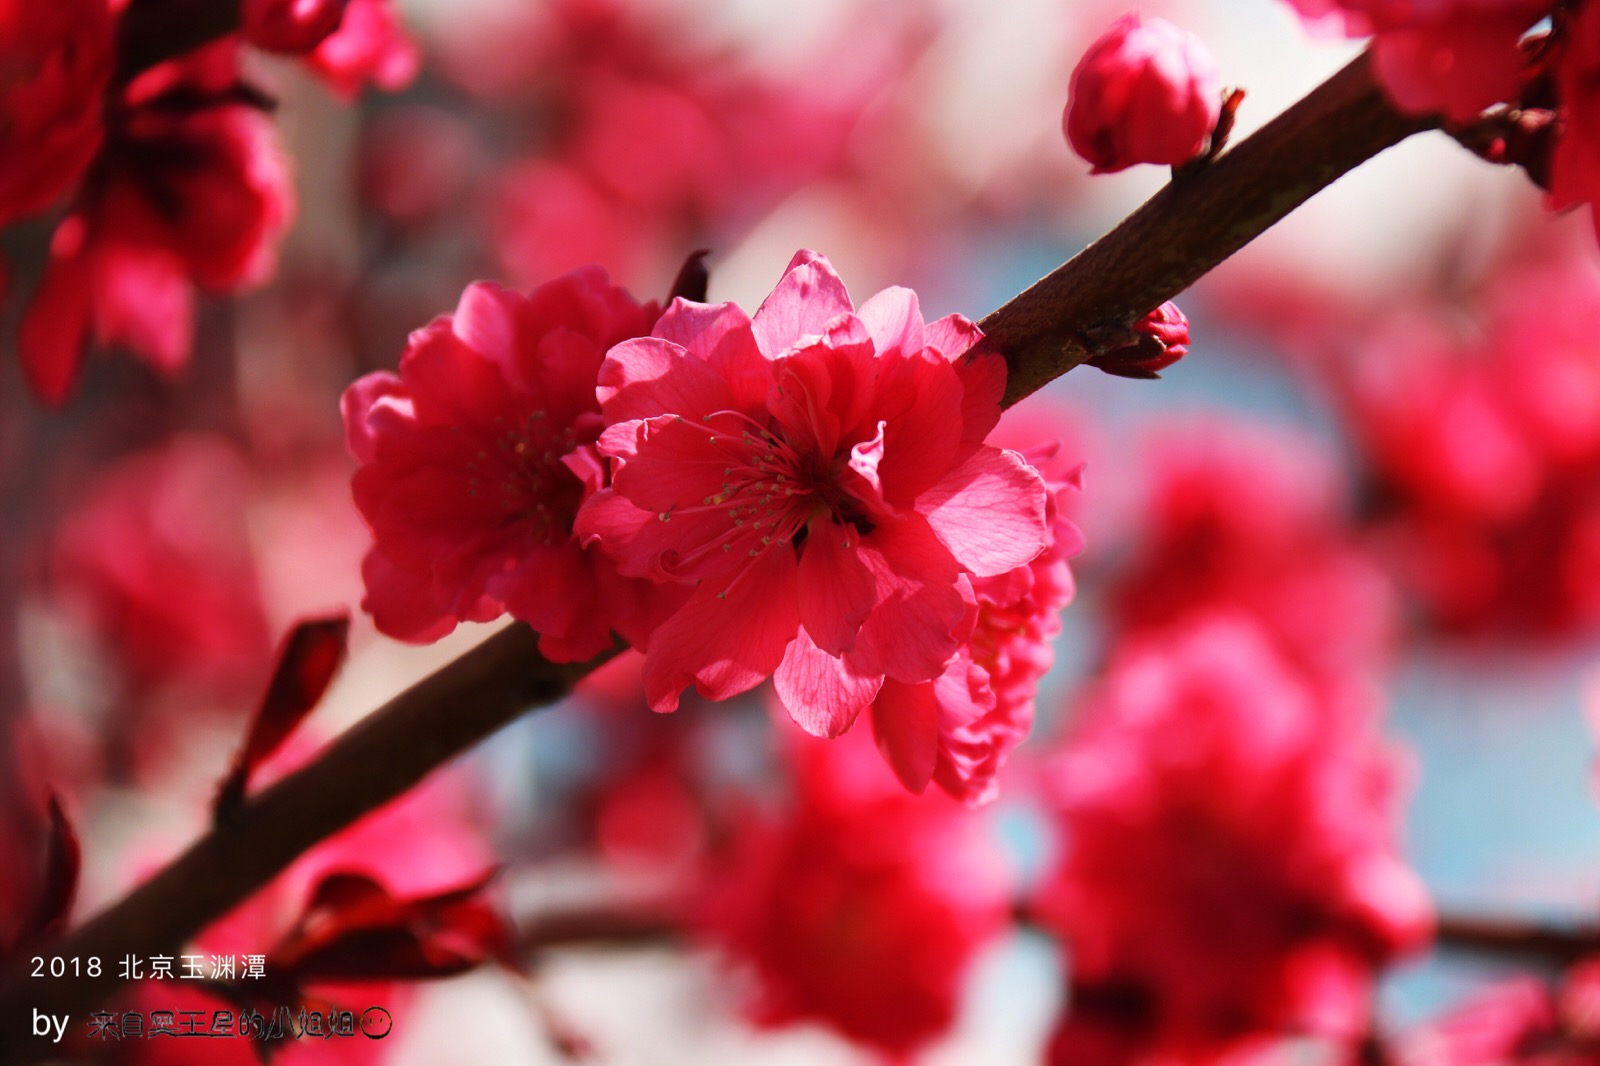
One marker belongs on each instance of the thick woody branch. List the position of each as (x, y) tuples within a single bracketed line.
[(1184, 231), (1203, 216)]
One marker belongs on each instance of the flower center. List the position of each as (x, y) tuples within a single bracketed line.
[(771, 494), (521, 463)]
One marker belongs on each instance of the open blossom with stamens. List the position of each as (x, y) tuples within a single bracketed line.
[(475, 457), (818, 476)]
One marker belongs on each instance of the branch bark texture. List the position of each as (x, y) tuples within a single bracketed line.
[(1189, 227), (1087, 305)]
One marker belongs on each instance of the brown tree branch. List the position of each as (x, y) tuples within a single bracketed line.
[(375, 761), (1087, 305), (1182, 232), (1512, 938)]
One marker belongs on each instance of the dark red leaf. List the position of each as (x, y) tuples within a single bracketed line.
[(62, 864), (307, 662), (354, 929)]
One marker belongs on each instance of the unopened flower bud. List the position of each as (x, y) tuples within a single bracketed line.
[(1161, 338), (1146, 92)]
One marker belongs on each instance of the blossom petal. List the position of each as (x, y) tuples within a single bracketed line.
[(403, 604), (54, 328), (822, 694), (905, 724), (675, 464), (357, 402), (924, 610), (983, 386), (894, 320), (725, 642), (921, 399), (806, 299), (647, 377), (836, 588), (486, 320), (989, 510), (953, 335), (720, 334)]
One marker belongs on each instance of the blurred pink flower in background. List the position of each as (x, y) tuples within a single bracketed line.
[(289, 25), (1230, 866), (155, 559), (1146, 92), (56, 60), (1452, 56), (1484, 443), (369, 46), (189, 192), (1256, 519), (860, 906)]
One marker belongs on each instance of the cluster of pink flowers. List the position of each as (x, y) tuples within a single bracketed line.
[(645, 138), (1484, 450), (175, 179), (1230, 872), (803, 494)]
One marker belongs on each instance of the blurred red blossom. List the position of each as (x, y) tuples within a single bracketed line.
[(55, 61), (190, 191), (155, 558), (860, 906), (369, 46), (289, 25), (1146, 92), (475, 457), (1457, 57), (1230, 867), (817, 477), (1522, 1021), (1255, 519), (648, 136), (972, 715), (1483, 442)]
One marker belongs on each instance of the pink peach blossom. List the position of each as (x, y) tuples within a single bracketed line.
[(960, 727), (476, 455), (1231, 869), (816, 476)]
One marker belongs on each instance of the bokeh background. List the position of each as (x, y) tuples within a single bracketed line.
[(1367, 384)]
